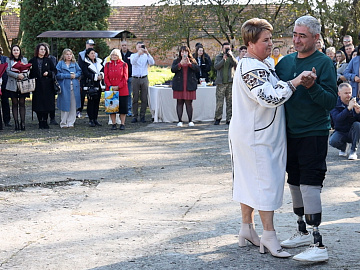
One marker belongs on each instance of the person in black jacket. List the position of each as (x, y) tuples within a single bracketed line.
[(184, 83), (5, 105), (203, 62), (92, 75), (126, 58), (43, 100), (346, 117)]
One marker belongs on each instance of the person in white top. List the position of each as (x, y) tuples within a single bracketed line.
[(257, 136), (140, 83)]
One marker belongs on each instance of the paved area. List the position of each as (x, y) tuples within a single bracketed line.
[(158, 197)]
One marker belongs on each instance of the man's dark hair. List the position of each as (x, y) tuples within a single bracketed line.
[(243, 47), (225, 43)]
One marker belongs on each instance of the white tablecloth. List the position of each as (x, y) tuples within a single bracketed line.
[(163, 106)]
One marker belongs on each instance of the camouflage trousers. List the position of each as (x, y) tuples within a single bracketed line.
[(223, 91)]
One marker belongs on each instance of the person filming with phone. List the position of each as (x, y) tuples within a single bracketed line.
[(140, 82), (225, 65)]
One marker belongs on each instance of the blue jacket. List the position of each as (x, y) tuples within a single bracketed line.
[(351, 71), (342, 117), (63, 77)]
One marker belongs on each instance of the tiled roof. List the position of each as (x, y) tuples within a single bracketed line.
[(121, 18)]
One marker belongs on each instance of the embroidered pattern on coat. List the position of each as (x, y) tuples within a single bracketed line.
[(270, 98), (255, 78)]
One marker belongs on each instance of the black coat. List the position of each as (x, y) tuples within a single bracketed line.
[(126, 59), (177, 83), (43, 99), (205, 68)]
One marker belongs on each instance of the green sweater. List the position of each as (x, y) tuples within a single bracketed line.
[(307, 111)]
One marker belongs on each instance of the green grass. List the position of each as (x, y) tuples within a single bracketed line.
[(159, 75)]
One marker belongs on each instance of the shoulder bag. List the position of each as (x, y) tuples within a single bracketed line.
[(26, 85)]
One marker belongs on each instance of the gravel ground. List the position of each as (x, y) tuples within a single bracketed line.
[(152, 197)]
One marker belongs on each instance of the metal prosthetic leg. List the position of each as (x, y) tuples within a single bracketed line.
[(314, 220), (301, 223)]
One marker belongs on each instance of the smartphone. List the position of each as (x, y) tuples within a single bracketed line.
[(143, 46)]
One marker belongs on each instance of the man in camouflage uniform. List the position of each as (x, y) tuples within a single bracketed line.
[(225, 65)]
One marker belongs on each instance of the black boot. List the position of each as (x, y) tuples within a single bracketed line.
[(41, 125), (97, 123), (22, 125), (45, 124), (17, 126)]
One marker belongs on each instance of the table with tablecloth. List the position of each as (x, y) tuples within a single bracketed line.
[(163, 106)]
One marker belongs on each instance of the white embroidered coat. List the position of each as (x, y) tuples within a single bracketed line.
[(257, 135)]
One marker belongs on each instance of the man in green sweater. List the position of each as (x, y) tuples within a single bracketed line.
[(308, 124)]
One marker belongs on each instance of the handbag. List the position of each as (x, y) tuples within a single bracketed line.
[(57, 87), (26, 85), (92, 91)]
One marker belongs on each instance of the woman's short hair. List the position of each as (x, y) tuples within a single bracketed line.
[(116, 52), (62, 58), (36, 53), (310, 22), (251, 29)]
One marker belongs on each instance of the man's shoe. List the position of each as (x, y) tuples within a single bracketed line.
[(134, 120), (78, 114), (313, 254), (91, 123), (342, 153), (97, 123), (122, 127), (53, 122), (352, 156), (142, 119), (217, 122), (297, 240), (129, 113), (228, 122), (7, 124)]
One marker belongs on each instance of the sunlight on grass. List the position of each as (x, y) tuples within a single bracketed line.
[(159, 75)]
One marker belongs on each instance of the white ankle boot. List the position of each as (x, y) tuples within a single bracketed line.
[(247, 232), (270, 242)]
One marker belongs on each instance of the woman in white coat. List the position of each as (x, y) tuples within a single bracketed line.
[(257, 136)]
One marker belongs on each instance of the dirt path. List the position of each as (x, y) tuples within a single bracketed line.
[(156, 197)]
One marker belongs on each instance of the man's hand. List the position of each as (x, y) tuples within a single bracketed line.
[(308, 78), (352, 104), (357, 108)]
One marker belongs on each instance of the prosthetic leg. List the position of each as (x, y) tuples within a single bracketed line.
[(317, 252), (302, 237)]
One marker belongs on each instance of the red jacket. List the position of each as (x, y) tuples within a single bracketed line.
[(116, 74)]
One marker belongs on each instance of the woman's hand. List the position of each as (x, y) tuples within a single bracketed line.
[(99, 77), (45, 73), (115, 88), (72, 75), (21, 76)]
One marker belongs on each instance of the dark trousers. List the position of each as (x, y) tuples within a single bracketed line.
[(339, 139), (5, 108), (93, 107)]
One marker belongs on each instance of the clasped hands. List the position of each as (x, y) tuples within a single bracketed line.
[(307, 78), (354, 105)]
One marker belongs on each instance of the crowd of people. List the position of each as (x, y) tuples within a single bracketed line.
[(123, 73)]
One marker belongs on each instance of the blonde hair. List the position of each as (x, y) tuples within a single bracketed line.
[(62, 58), (251, 29), (116, 52)]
